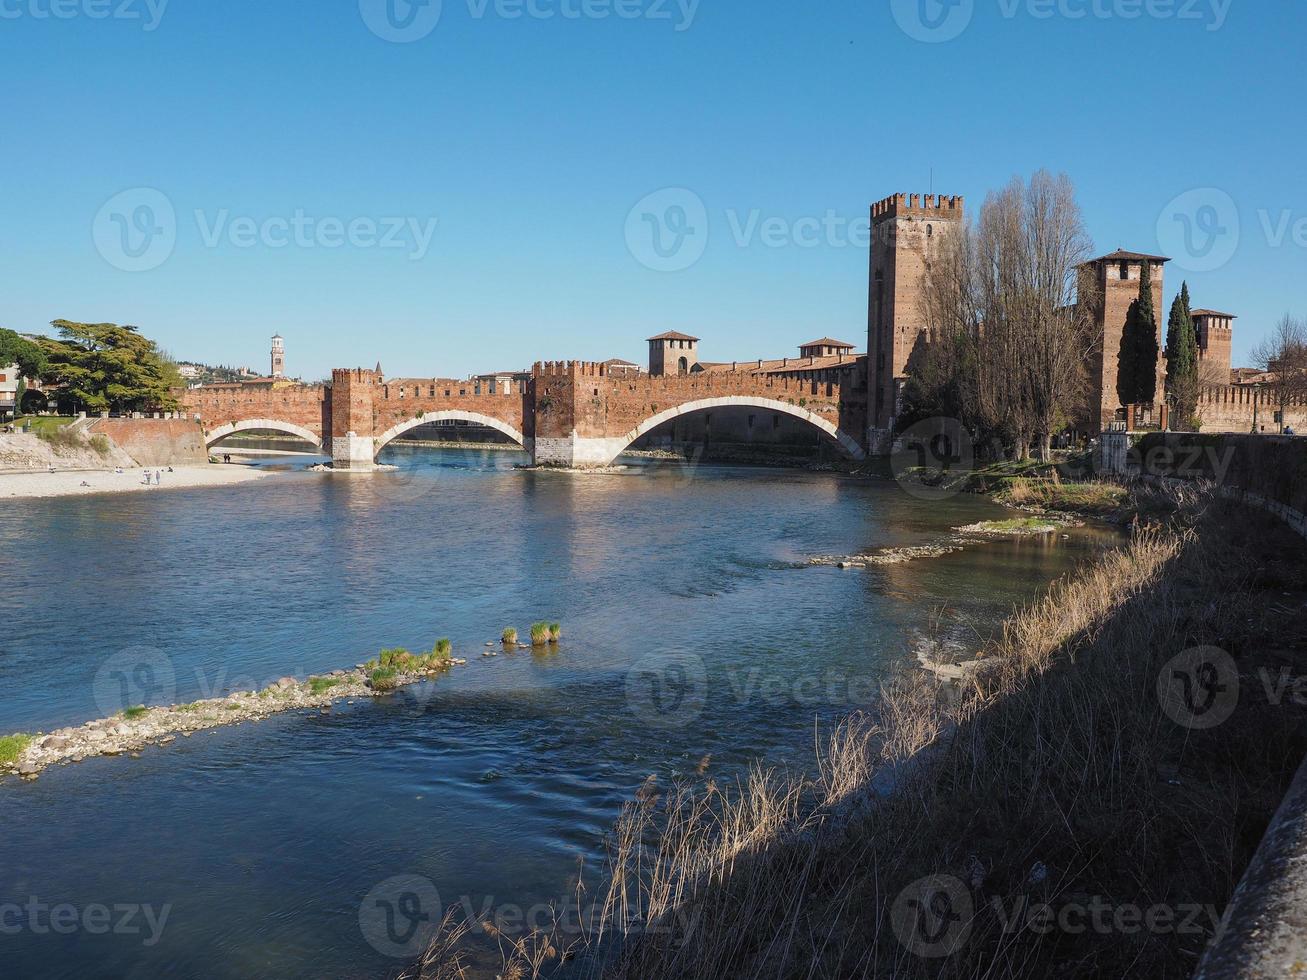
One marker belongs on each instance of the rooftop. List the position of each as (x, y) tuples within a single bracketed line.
[(827, 342), (1121, 255), (1230, 316), (674, 335)]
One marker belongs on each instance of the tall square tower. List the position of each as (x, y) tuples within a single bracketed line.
[(907, 233), (1215, 345), (1109, 285)]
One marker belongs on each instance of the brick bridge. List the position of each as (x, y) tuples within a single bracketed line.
[(570, 413)]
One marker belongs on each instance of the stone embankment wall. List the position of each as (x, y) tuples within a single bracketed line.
[(155, 442), (1262, 934), (23, 452), (1272, 469)]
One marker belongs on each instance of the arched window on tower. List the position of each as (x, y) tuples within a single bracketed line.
[(684, 366)]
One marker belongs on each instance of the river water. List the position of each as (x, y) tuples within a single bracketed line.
[(694, 627)]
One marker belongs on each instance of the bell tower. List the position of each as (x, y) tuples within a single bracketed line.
[(278, 357)]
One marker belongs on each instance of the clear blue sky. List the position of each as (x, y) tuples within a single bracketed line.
[(530, 139)]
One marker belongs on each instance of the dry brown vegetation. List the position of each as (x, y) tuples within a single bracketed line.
[(1053, 777)]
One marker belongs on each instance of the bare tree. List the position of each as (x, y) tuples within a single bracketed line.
[(1282, 354), (1056, 327), (1005, 292)]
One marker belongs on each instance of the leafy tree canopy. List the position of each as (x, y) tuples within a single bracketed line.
[(25, 353), (100, 366)]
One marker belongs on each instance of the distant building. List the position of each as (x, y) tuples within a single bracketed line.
[(619, 368), (825, 348), (501, 382), (9, 389)]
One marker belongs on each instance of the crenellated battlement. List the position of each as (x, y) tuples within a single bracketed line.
[(358, 376), (917, 205), (569, 369)]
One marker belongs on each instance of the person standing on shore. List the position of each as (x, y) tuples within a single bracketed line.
[(158, 477)]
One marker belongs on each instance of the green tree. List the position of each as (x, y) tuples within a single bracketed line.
[(29, 357), (1182, 361), (1136, 375), (27, 354), (99, 366)]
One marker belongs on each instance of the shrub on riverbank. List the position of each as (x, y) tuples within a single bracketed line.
[(1054, 778), (442, 650), (509, 637), (383, 679), (555, 632), (539, 634), (133, 713), (321, 685), (1092, 499), (11, 747)]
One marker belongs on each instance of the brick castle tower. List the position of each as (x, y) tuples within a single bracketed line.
[(672, 353), (1110, 284), (278, 357), (907, 232), (1215, 345)]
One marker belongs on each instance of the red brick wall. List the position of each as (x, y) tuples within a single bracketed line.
[(401, 399), (581, 396), (303, 405)]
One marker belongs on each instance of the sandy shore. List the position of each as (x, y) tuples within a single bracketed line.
[(70, 483)]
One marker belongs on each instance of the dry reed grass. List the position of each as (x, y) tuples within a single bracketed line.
[(1052, 777)]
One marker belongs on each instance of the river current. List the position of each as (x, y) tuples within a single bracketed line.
[(696, 636)]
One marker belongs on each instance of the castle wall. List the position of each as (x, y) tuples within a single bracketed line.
[(304, 405), (1233, 408)]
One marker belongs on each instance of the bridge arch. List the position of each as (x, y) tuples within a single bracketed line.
[(838, 435), (490, 422), (215, 436)]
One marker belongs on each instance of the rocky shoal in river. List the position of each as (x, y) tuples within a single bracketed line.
[(129, 732)]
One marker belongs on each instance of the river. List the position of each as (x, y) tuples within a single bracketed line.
[(261, 842)]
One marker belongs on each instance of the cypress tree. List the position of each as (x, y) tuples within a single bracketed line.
[(1182, 360), (1136, 376)]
